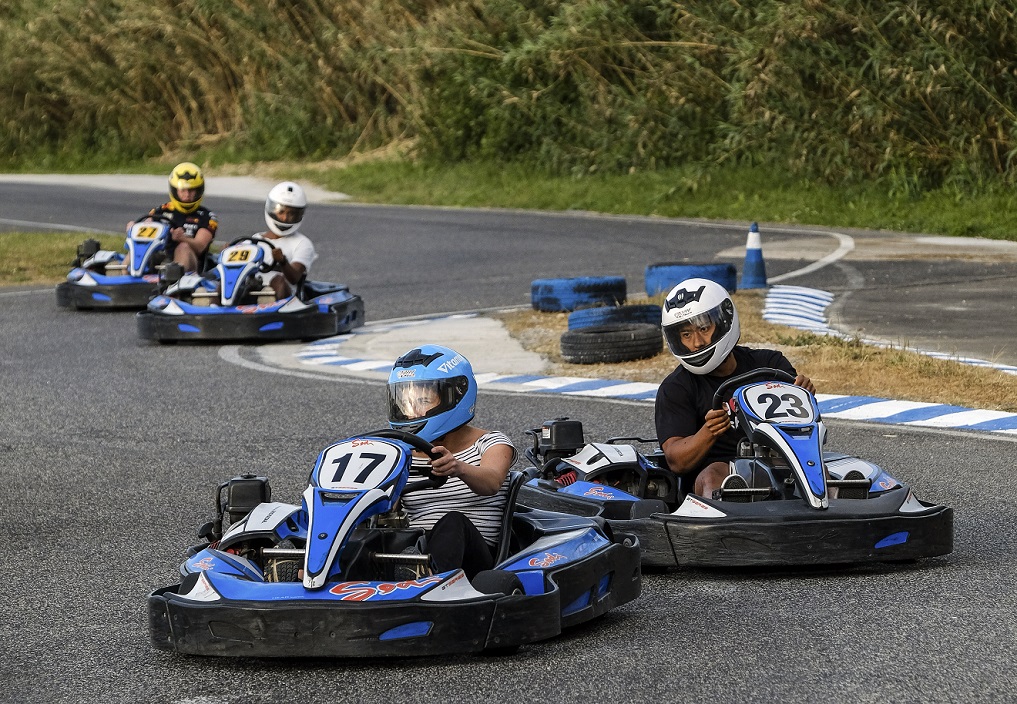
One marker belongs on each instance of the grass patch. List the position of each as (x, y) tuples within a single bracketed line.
[(836, 366), (726, 193), (43, 257)]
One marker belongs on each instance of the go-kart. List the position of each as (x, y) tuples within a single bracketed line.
[(230, 302), (102, 278), (794, 505), (342, 573)]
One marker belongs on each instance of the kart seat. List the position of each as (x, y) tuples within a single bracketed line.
[(516, 480)]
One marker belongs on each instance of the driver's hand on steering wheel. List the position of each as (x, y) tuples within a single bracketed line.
[(717, 421), (445, 465), (806, 383), (177, 234), (278, 258)]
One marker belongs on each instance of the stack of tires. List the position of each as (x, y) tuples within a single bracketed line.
[(601, 328)]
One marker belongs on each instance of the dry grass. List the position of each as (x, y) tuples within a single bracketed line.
[(43, 257), (836, 366)]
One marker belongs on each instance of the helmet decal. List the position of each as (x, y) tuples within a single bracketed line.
[(681, 297)]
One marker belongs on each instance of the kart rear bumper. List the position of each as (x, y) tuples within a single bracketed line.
[(311, 323), (652, 538), (776, 533), (327, 629), (788, 533), (107, 296), (597, 584)]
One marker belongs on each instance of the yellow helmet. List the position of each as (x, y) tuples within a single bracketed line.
[(186, 175)]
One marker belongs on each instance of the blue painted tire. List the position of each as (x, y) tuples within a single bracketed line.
[(588, 317), (557, 295), (662, 277)]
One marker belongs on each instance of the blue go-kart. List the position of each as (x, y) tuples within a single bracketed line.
[(105, 279), (230, 302), (791, 503), (342, 574)]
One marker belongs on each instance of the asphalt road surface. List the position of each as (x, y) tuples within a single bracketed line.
[(110, 449)]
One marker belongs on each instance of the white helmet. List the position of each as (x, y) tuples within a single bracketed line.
[(700, 303), (284, 208)]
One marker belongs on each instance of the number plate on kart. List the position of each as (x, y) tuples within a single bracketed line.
[(357, 464), (776, 402), (239, 254), (147, 230)]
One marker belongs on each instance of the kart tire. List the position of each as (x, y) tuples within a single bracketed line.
[(663, 276), (588, 317), (558, 295), (620, 342), (286, 570), (497, 582)]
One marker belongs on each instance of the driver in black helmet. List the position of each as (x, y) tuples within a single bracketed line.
[(700, 325)]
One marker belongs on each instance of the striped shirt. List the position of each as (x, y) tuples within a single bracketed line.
[(425, 507)]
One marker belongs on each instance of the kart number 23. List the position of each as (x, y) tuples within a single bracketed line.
[(780, 403)]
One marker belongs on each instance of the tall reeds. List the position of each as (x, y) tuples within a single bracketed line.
[(910, 91)]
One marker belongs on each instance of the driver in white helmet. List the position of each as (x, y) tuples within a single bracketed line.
[(700, 325), (292, 252)]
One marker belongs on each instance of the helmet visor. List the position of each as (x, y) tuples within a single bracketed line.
[(418, 399), (284, 214), (699, 333)]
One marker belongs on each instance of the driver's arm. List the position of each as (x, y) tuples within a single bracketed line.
[(199, 243), (484, 479), (806, 383), (685, 454)]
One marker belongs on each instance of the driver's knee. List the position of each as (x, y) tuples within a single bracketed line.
[(281, 287), (184, 256), (710, 479)]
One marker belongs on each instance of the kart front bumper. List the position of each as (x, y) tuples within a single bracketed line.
[(105, 296), (311, 323)]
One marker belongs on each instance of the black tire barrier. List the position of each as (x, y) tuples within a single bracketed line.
[(588, 317), (620, 342), (557, 295), (663, 276)]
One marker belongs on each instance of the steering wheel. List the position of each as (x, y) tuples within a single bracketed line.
[(417, 443), (265, 267), (729, 385)]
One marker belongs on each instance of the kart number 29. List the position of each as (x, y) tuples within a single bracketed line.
[(356, 465), (239, 255)]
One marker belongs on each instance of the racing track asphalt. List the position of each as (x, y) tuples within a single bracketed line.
[(109, 449)]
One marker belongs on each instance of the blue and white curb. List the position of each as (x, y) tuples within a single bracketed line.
[(794, 306)]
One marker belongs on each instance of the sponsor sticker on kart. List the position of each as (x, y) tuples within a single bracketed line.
[(377, 591), (547, 560), (694, 508)]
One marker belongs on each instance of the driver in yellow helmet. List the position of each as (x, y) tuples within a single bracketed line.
[(192, 225)]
